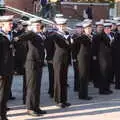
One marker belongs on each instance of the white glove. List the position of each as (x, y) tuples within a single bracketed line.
[(94, 58)]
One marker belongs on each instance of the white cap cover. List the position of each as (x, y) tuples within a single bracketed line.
[(60, 20), (6, 18)]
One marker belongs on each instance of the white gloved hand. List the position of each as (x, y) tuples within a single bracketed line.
[(16, 39), (94, 58)]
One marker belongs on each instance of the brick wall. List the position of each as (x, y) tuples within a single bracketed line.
[(117, 7), (75, 10), (20, 4)]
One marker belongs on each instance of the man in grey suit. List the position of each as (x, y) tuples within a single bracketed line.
[(60, 63), (33, 67)]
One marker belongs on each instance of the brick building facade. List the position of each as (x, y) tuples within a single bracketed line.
[(69, 9), (117, 7), (75, 10), (20, 4)]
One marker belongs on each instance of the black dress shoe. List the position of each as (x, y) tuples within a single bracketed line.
[(106, 92), (96, 86), (12, 98), (67, 104), (117, 87), (4, 119), (75, 90), (48, 92), (110, 91), (112, 82), (51, 95), (61, 105), (86, 98), (39, 111), (68, 85), (7, 109), (33, 113)]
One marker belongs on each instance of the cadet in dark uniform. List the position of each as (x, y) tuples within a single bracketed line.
[(75, 50), (20, 56), (6, 64), (111, 35), (50, 48), (114, 26), (60, 63), (116, 57), (84, 59), (101, 52), (95, 69), (10, 34), (19, 51), (33, 68), (24, 51)]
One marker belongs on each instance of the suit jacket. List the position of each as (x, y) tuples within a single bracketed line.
[(35, 49), (6, 56), (84, 56), (102, 49), (75, 46), (50, 46), (115, 51), (61, 48)]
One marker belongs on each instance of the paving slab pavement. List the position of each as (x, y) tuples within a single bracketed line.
[(102, 107)]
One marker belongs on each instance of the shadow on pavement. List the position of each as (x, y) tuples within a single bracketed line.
[(75, 110), (78, 114)]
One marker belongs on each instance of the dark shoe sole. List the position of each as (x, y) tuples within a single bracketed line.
[(33, 113), (87, 98)]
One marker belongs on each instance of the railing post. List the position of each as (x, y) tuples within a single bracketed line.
[(2, 5)]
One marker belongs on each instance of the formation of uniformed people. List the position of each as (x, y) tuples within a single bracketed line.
[(25, 45)]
